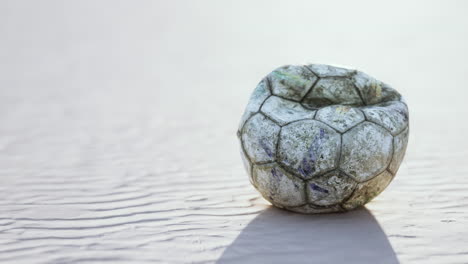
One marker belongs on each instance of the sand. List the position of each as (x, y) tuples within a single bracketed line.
[(118, 120)]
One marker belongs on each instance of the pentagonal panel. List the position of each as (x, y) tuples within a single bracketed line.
[(332, 90), (291, 82), (309, 148), (391, 115), (285, 111), (399, 148), (340, 117), (368, 190), (259, 95), (247, 165), (366, 151), (374, 91), (330, 188), (277, 186), (259, 137), (323, 70)]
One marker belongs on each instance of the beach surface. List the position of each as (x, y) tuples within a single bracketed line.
[(118, 130)]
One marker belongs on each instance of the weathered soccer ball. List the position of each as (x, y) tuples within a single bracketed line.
[(318, 138)]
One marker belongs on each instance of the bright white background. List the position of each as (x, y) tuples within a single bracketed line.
[(118, 119)]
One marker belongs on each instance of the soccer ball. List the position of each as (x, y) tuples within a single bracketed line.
[(318, 138)]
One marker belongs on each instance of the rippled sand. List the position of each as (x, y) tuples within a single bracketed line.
[(117, 131)]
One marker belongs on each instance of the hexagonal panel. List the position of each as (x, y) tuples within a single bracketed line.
[(277, 186), (259, 138), (330, 188), (374, 91), (403, 100), (367, 191), (391, 115), (247, 165), (284, 111), (323, 70), (259, 95), (309, 148), (366, 151), (399, 148), (311, 209), (340, 117), (332, 90), (291, 81)]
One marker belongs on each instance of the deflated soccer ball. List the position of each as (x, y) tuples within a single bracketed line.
[(318, 138)]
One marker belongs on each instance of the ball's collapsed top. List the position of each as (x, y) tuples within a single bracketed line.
[(319, 138)]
